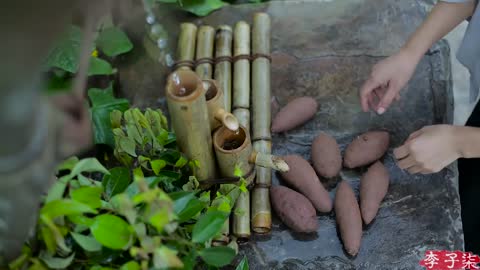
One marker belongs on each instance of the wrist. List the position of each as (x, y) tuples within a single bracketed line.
[(413, 53), (467, 141)]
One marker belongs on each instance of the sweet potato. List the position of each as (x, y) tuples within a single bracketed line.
[(294, 209), (295, 113), (366, 148), (373, 188), (303, 178), (348, 218), (326, 156)]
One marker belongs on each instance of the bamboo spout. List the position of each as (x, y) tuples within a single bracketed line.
[(216, 109), (227, 119), (269, 161), (189, 116)]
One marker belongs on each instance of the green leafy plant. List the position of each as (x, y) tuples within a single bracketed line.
[(63, 59), (145, 211)]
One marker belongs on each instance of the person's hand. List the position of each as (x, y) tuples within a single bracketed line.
[(77, 126), (429, 149), (386, 80)]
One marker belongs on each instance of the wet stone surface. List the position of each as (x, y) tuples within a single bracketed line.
[(325, 49)]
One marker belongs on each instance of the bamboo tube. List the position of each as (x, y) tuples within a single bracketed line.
[(186, 45), (205, 41), (234, 150), (261, 213), (241, 75), (261, 78), (241, 217), (261, 108), (189, 116), (216, 108), (241, 110), (223, 66)]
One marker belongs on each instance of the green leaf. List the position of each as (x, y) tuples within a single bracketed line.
[(117, 181), (88, 243), (127, 145), (103, 103), (164, 257), (58, 189), (66, 54), (67, 164), (157, 165), (65, 207), (88, 195), (202, 7), (133, 190), (56, 262), (131, 265), (57, 85), (99, 66), (113, 41), (160, 219), (243, 265), (81, 220), (208, 226), (217, 256), (88, 165), (181, 162), (186, 205), (112, 232)]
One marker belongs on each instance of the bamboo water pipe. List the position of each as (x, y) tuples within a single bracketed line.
[(223, 66), (241, 73), (204, 54), (261, 109), (186, 46), (234, 150), (216, 108), (189, 116)]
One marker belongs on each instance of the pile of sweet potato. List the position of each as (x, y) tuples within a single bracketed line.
[(298, 204)]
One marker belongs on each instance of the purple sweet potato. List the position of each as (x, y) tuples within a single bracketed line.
[(348, 218), (294, 114), (294, 209), (366, 148), (373, 188), (326, 156), (303, 178)]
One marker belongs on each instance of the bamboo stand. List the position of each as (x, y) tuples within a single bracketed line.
[(204, 55), (261, 91), (189, 116), (186, 46), (216, 108), (223, 66)]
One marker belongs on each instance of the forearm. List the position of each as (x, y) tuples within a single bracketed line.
[(468, 141), (441, 20)]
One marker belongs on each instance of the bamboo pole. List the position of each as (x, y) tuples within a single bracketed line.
[(223, 66), (186, 45), (241, 217), (261, 210), (241, 75), (205, 41), (216, 108), (261, 108), (189, 116)]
